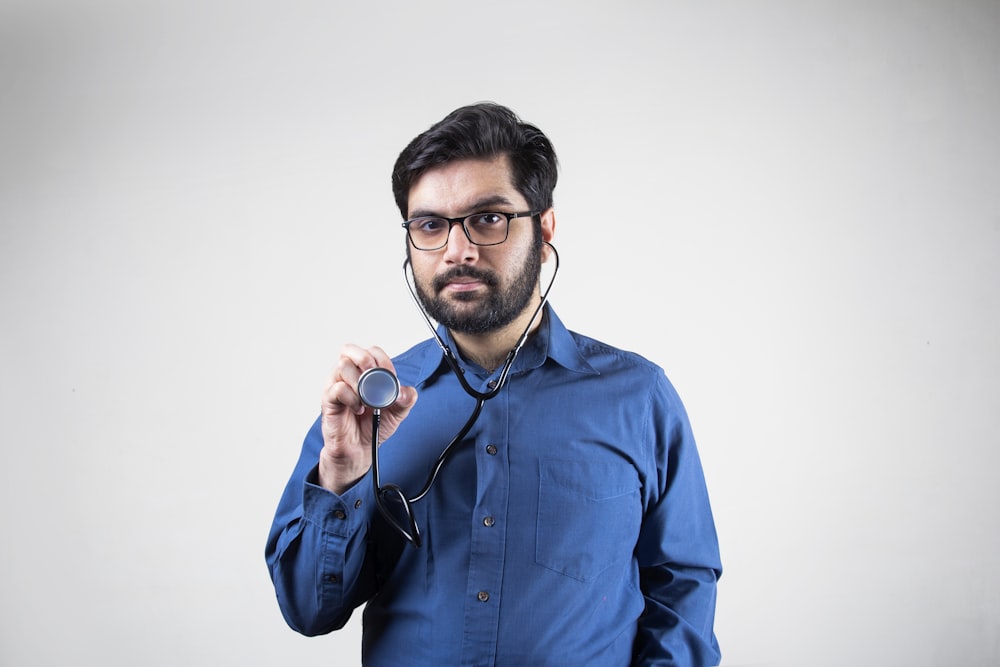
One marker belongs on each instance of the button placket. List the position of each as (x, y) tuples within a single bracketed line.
[(486, 565)]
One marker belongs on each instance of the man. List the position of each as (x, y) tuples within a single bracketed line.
[(570, 525)]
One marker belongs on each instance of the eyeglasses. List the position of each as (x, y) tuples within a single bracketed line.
[(484, 229)]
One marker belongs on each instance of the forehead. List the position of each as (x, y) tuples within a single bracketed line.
[(458, 187)]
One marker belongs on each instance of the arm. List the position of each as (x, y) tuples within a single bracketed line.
[(318, 549), (678, 547)]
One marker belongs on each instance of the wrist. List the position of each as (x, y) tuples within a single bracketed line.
[(338, 478)]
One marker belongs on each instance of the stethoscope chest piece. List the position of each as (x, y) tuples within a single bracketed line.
[(378, 388)]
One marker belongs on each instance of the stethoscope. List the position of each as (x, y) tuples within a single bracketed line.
[(379, 388)]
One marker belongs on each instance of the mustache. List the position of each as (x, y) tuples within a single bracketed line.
[(483, 276)]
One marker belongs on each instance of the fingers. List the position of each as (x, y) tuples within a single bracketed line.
[(341, 390), (347, 430), (365, 358)]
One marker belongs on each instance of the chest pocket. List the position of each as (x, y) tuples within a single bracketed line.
[(589, 516)]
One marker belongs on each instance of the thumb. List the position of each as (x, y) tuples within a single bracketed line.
[(407, 399)]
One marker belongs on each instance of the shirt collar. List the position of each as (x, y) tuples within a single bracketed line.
[(552, 340)]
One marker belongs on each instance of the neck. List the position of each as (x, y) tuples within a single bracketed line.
[(490, 350)]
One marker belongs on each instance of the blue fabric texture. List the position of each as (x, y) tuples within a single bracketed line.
[(571, 527)]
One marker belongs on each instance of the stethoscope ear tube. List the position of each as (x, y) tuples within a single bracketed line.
[(450, 356)]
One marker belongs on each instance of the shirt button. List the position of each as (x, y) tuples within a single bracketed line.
[(357, 505), (488, 521), (340, 514), (492, 384), (483, 596), (491, 450)]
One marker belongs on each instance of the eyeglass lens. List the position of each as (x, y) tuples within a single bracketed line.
[(480, 228)]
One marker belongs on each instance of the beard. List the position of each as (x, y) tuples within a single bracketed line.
[(494, 311)]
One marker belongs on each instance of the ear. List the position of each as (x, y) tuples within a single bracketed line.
[(548, 230)]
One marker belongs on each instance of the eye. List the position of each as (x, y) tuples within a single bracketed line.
[(428, 225), (486, 220)]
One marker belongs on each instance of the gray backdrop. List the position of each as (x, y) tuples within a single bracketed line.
[(791, 206)]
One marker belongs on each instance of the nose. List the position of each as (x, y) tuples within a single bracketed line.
[(459, 249)]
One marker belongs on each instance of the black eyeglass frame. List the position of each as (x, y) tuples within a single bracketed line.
[(463, 222)]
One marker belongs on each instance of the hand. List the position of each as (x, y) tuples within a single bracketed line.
[(347, 422)]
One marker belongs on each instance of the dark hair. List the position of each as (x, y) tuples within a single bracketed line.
[(485, 130)]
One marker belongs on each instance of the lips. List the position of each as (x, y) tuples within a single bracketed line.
[(463, 279), (464, 285)]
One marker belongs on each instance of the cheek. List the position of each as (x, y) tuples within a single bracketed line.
[(423, 271), (516, 263)]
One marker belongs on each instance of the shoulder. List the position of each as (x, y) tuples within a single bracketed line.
[(606, 358), (626, 370)]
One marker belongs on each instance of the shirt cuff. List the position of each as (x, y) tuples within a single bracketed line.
[(340, 515)]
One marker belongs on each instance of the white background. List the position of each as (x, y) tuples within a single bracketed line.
[(791, 206)]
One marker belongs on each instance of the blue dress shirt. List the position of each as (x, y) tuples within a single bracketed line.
[(571, 527)]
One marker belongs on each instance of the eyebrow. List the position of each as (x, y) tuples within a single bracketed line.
[(479, 206)]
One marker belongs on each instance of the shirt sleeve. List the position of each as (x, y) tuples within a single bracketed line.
[(678, 547), (317, 550)]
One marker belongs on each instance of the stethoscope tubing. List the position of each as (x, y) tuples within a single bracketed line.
[(412, 531)]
